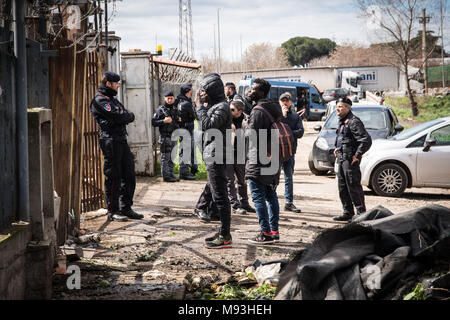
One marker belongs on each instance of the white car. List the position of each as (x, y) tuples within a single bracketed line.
[(417, 157)]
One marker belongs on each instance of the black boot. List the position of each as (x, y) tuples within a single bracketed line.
[(170, 179), (291, 207), (130, 213), (187, 177), (343, 217)]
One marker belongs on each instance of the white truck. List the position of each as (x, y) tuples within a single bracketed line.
[(358, 80)]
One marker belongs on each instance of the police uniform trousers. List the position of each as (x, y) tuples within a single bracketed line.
[(184, 167), (167, 165), (120, 177), (350, 189)]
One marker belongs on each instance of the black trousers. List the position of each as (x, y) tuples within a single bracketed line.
[(120, 177), (206, 203), (237, 172), (217, 177), (350, 189)]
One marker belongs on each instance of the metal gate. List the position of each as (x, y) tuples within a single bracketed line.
[(92, 175)]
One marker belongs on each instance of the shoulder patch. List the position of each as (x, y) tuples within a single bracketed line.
[(107, 107)]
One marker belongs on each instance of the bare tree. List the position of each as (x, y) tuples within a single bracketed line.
[(264, 56), (397, 24)]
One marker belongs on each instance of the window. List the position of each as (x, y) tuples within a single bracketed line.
[(418, 143), (292, 91), (442, 136), (273, 94), (241, 90), (415, 130), (315, 98)]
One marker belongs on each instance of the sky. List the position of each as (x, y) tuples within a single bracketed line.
[(142, 24)]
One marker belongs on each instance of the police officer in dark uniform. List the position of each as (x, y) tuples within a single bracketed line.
[(352, 141), (120, 178), (187, 114), (168, 120)]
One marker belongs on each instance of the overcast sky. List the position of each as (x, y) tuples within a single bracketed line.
[(143, 23)]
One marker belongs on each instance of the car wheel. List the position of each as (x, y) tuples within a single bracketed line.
[(389, 180), (313, 169)]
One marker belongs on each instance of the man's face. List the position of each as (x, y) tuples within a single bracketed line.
[(203, 96), (113, 85), (235, 112), (285, 102), (228, 91), (169, 99), (255, 93), (342, 109)]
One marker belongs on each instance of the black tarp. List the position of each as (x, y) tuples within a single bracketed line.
[(376, 256)]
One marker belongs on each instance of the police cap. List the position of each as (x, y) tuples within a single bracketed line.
[(111, 76), (185, 88), (345, 100), (168, 94)]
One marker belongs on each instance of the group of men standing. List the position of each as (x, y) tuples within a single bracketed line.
[(220, 110)]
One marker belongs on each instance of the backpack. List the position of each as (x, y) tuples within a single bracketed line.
[(285, 135)]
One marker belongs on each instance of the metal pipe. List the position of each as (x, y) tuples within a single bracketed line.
[(21, 109), (106, 23)]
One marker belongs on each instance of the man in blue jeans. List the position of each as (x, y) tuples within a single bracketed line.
[(294, 121), (263, 182)]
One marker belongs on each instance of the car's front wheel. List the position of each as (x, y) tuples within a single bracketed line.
[(389, 180)]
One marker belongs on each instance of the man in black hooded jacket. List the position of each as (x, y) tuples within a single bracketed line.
[(215, 118), (120, 177)]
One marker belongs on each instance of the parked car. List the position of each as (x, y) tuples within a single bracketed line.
[(334, 94), (417, 157), (380, 122)]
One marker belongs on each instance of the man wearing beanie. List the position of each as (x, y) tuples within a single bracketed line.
[(215, 116), (187, 114), (168, 120), (120, 178)]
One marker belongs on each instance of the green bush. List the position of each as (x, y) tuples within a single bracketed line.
[(430, 108)]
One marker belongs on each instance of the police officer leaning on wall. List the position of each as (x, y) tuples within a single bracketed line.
[(352, 141), (120, 178)]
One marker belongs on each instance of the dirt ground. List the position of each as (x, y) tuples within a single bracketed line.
[(153, 257)]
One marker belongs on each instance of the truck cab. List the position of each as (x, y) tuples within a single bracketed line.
[(351, 81), (303, 95)]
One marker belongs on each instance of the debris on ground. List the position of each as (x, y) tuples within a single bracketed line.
[(380, 256)]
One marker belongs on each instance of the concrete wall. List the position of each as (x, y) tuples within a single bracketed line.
[(28, 249)]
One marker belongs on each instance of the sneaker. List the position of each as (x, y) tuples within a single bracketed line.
[(275, 236), (170, 179), (239, 211), (248, 208), (132, 214), (213, 237), (219, 242), (187, 177), (291, 207), (202, 215), (262, 238), (343, 217), (117, 217)]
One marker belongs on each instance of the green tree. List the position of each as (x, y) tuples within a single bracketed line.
[(301, 50)]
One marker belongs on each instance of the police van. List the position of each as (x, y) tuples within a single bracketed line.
[(302, 93)]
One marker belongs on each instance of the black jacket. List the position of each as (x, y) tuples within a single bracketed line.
[(185, 110), (352, 139), (110, 115), (294, 121), (259, 120), (216, 115), (166, 129)]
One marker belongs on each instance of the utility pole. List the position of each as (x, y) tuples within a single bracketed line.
[(241, 52), (424, 20), (218, 39), (215, 49)]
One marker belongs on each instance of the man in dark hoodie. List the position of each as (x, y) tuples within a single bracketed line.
[(215, 117), (263, 186), (120, 177), (187, 114)]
